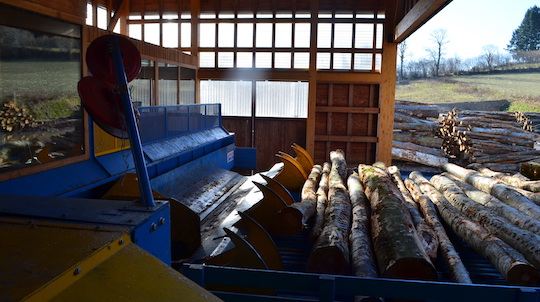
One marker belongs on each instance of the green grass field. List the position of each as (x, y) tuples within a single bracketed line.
[(499, 92)]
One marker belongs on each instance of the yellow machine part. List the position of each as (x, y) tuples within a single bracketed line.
[(303, 158), (292, 176), (51, 261), (105, 143), (185, 224)]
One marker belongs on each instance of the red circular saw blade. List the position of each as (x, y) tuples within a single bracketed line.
[(103, 105), (100, 63)]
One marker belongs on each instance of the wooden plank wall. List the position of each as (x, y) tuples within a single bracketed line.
[(272, 135), (346, 117), (72, 11)]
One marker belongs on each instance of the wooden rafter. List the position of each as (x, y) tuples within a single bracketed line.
[(420, 13)]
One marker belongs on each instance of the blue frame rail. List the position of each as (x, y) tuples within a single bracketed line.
[(159, 123), (297, 286)]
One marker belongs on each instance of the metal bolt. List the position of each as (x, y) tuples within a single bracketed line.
[(154, 227), (161, 221), (121, 241), (77, 271)]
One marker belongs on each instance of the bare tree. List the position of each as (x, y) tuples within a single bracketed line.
[(402, 48), (440, 39), (490, 55)]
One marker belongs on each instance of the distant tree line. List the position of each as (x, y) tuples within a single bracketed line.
[(524, 47)]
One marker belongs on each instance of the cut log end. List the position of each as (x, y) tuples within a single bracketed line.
[(522, 274), (411, 268), (289, 221), (328, 260)]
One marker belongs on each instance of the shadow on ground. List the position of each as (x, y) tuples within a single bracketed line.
[(498, 105)]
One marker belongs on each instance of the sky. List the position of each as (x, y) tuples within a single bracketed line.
[(470, 25)]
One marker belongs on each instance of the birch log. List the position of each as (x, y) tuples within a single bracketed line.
[(291, 219), (511, 214), (426, 233), (511, 264), (514, 181), (523, 241), (363, 260), (450, 256), (503, 192), (418, 157), (322, 201), (330, 254), (396, 243)]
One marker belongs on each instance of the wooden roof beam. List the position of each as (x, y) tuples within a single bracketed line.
[(116, 16), (420, 13)]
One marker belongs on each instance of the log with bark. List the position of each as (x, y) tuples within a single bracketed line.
[(450, 256), (363, 259), (418, 138), (425, 232), (414, 147), (322, 201), (503, 192), (513, 215), (291, 219), (420, 110), (511, 180), (418, 157), (530, 170), (330, 253), (523, 241), (511, 264), (396, 243)]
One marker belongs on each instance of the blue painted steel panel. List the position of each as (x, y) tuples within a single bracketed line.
[(245, 158), (154, 235)]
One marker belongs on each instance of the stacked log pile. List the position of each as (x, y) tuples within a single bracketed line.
[(13, 118), (375, 223), (501, 139)]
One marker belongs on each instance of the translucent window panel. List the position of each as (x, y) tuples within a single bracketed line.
[(168, 84), (170, 35), (151, 16), (151, 33), (225, 35), (207, 59), (284, 15), (142, 86), (116, 28), (301, 60), (185, 35), (225, 59), (378, 61), (102, 17), (264, 15), (207, 16), (303, 16), (302, 34), (168, 92), (264, 35), (134, 17), (170, 16), (323, 60), (365, 16), (362, 61), (245, 35), (283, 35), (344, 16), (282, 60), (234, 96), (324, 35), (185, 16), (325, 16), (281, 99), (245, 15), (187, 92), (207, 35), (135, 31), (263, 59), (89, 14), (226, 16), (364, 35), (342, 60), (244, 59), (343, 35), (379, 40)]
